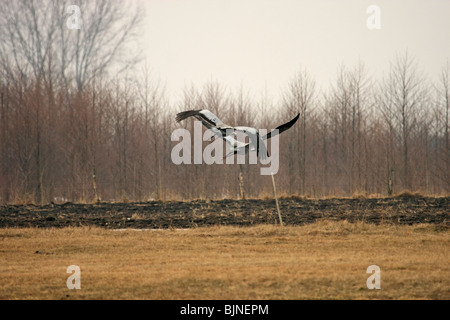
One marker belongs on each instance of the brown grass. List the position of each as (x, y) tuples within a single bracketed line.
[(409, 194), (325, 260)]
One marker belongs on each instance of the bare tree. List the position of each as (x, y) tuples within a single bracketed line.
[(4, 188), (151, 96), (442, 126), (34, 32), (404, 92), (359, 85), (299, 98), (27, 32), (107, 32)]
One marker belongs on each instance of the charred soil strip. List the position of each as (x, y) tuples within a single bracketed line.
[(178, 214)]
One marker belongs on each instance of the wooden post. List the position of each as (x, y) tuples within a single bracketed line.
[(276, 199), (241, 182), (391, 182), (94, 184)]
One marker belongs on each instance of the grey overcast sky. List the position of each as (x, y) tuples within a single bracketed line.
[(261, 44)]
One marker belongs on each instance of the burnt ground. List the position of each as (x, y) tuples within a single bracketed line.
[(179, 214)]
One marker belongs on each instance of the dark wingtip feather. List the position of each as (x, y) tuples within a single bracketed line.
[(294, 120), (289, 124), (186, 114)]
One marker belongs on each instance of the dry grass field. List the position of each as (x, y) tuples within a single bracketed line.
[(322, 260)]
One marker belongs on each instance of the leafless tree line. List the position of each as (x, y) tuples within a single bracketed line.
[(112, 140), (73, 129)]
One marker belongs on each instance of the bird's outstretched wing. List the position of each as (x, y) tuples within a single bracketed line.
[(220, 134), (281, 128), (206, 115)]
